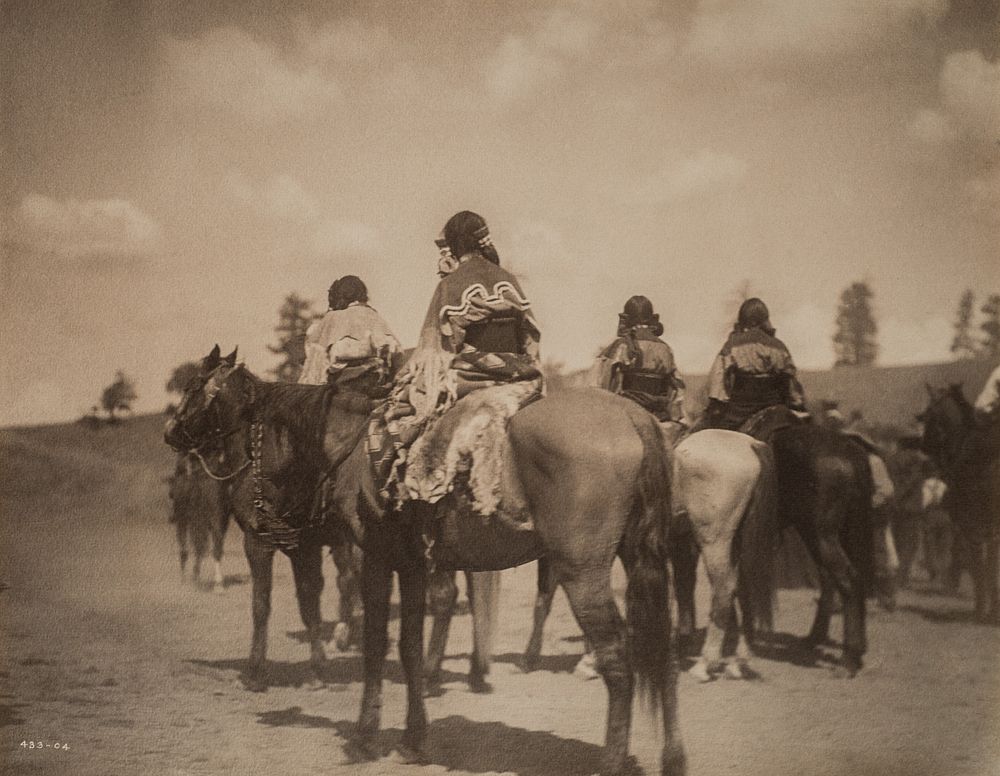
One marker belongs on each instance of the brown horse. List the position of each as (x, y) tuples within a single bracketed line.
[(592, 476), (205, 420), (199, 511), (969, 458)]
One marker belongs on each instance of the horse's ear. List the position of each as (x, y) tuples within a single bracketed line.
[(231, 358), (212, 359)]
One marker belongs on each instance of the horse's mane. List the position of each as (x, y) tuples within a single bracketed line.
[(968, 411), (301, 410)]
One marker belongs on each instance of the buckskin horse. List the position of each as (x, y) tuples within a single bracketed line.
[(969, 458), (724, 510), (592, 474), (284, 415)]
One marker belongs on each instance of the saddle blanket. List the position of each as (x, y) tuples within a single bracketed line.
[(468, 442)]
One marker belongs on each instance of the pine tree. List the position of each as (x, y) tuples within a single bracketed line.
[(855, 340), (991, 326), (294, 318), (963, 345)]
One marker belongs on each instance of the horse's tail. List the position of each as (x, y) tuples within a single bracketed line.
[(859, 531), (759, 535), (647, 597)]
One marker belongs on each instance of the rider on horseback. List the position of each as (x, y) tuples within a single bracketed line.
[(479, 332), (350, 346), (753, 371), (640, 366)]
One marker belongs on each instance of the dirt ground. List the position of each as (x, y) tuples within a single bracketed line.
[(105, 650)]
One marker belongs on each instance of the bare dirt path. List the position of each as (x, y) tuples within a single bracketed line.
[(104, 649)]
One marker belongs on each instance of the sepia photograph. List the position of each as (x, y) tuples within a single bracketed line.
[(500, 387)]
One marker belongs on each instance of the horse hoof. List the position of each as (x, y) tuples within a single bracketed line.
[(342, 636), (480, 686), (734, 671), (699, 671), (360, 752), (411, 755), (585, 668)]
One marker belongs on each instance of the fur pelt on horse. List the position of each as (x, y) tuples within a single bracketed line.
[(468, 442)]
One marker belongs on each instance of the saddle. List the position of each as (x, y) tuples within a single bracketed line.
[(765, 423)]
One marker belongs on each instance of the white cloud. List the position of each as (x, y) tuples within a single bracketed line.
[(931, 127), (281, 197), (76, 229), (333, 238), (689, 176), (574, 35), (970, 90), (741, 33), (347, 42), (226, 68)]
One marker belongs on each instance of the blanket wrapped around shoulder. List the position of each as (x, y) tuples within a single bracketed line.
[(468, 442)]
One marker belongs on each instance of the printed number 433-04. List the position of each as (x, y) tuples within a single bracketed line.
[(43, 745)]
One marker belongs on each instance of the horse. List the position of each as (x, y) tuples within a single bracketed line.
[(969, 459), (199, 510), (255, 452), (588, 473), (824, 491), (723, 509)]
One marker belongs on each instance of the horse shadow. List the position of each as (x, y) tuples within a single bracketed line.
[(555, 664), (302, 636), (947, 616), (337, 672), (791, 649)]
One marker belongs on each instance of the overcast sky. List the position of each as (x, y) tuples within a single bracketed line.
[(172, 169)]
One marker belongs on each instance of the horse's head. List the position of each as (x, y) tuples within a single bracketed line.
[(212, 404), (946, 420)]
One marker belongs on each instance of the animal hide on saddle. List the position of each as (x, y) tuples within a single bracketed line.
[(468, 446)]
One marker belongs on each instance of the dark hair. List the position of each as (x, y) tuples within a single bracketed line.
[(467, 232), (754, 315), (346, 290), (638, 311)]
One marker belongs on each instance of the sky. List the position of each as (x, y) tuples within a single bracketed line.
[(171, 170)]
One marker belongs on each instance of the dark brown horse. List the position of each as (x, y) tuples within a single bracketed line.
[(589, 471), (968, 456), (289, 420), (824, 488)]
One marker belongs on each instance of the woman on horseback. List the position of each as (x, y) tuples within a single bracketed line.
[(640, 366), (350, 345), (753, 371), (479, 330)]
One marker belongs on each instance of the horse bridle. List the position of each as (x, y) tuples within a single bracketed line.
[(216, 432)]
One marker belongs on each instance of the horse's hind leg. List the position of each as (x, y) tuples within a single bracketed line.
[(412, 602), (219, 526), (848, 583), (993, 578), (307, 569), (376, 586), (346, 557), (543, 605), (722, 617), (260, 558), (483, 589), (593, 605), (442, 593), (182, 547)]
